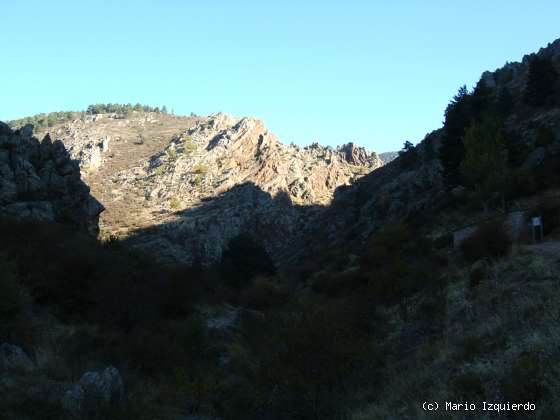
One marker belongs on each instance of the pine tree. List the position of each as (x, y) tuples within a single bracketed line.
[(408, 156), (452, 151), (542, 81), (504, 102), (485, 164)]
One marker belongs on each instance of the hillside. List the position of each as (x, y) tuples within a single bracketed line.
[(246, 279), (151, 169)]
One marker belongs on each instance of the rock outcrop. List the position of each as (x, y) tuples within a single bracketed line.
[(228, 175), (39, 181), (14, 359), (94, 388), (208, 180)]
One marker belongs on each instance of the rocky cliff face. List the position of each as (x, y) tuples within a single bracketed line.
[(183, 187), (39, 181)]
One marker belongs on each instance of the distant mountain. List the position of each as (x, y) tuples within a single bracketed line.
[(152, 169), (387, 157)]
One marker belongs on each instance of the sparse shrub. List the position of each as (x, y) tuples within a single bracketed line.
[(175, 203), (197, 180), (243, 260), (490, 240), (265, 293), (160, 170), (200, 169), (177, 292), (468, 386), (523, 382), (172, 154), (310, 357), (190, 148)]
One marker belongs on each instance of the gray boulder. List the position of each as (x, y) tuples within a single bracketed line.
[(94, 388), (13, 358), (73, 399), (106, 386)]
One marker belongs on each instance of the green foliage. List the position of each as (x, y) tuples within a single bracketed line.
[(408, 156), (457, 119), (123, 109), (197, 180), (175, 203), (160, 170), (172, 154), (243, 260), (388, 261), (311, 356), (398, 262), (490, 240), (10, 301), (44, 121), (200, 169), (190, 147), (484, 167), (542, 83)]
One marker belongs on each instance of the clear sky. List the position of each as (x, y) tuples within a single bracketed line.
[(373, 72)]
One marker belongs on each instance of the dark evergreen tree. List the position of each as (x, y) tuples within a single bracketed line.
[(452, 151), (504, 103), (243, 260), (481, 102), (542, 82), (408, 156)]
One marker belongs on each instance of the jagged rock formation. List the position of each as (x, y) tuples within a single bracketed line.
[(203, 180), (39, 181)]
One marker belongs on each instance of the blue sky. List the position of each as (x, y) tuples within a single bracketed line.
[(373, 72)]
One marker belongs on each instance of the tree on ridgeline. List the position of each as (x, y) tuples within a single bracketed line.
[(542, 83), (452, 151)]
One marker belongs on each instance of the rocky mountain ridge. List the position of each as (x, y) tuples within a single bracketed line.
[(208, 177)]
